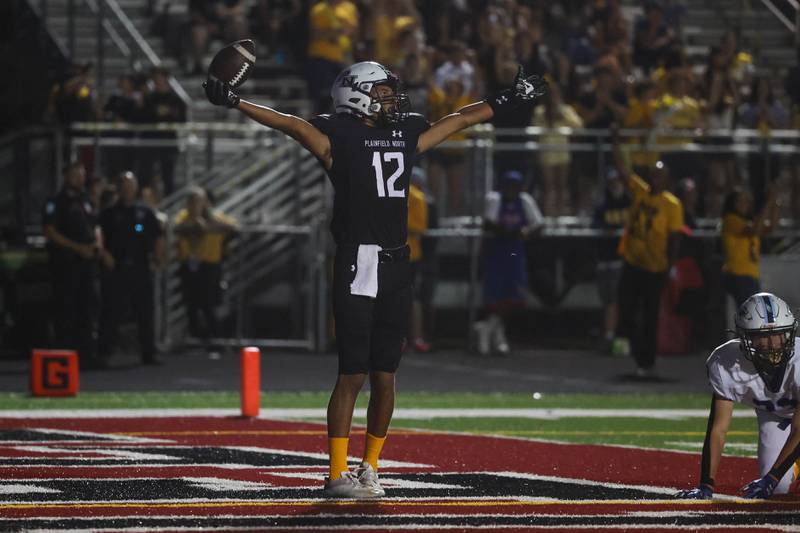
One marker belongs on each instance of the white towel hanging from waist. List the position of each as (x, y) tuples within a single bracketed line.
[(366, 281)]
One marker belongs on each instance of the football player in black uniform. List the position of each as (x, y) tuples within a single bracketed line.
[(368, 148)]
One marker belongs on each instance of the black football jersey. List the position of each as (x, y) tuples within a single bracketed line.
[(370, 175)]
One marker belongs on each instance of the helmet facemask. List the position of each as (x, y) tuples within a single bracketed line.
[(769, 350), (398, 101)]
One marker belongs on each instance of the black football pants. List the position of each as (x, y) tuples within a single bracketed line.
[(639, 300), (123, 290), (75, 301)]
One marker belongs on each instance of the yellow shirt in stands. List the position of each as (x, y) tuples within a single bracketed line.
[(641, 115), (417, 221), (323, 16), (203, 246), (440, 105), (567, 118), (651, 221), (742, 250), (386, 32), (680, 113)]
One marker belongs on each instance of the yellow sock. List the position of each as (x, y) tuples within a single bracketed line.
[(372, 449), (337, 451)]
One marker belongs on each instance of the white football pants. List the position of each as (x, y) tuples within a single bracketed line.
[(771, 439)]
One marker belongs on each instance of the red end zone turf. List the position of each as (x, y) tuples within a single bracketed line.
[(212, 473)]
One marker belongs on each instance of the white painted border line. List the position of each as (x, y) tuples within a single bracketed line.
[(399, 414)]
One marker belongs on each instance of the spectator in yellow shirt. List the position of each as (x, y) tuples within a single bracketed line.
[(332, 25), (641, 114), (449, 162), (678, 110), (648, 247), (741, 242), (555, 162), (201, 235)]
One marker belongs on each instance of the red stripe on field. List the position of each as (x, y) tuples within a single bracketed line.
[(447, 452)]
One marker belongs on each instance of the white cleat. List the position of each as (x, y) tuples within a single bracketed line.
[(349, 486), (368, 478), (499, 339)]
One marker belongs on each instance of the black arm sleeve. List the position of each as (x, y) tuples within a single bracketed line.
[(705, 463)]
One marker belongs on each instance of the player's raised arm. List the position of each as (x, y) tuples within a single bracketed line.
[(313, 140), (719, 420), (523, 89)]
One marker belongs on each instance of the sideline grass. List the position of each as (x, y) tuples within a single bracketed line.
[(683, 435), (686, 434), (223, 399)]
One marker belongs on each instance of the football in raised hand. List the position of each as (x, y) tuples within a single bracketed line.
[(234, 63)]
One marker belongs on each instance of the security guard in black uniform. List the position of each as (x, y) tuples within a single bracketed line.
[(74, 244), (368, 149), (135, 241)]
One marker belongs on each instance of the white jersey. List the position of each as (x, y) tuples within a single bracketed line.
[(734, 377)]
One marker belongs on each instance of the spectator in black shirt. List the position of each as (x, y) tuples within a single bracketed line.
[(123, 106), (162, 104), (135, 242), (74, 245)]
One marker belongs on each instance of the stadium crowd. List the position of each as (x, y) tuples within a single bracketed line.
[(609, 68)]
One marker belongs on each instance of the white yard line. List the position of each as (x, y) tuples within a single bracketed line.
[(399, 414)]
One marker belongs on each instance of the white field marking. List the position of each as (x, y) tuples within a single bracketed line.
[(323, 456), (406, 414), (411, 526), (222, 466), (743, 446), (131, 455), (576, 481), (434, 500), (103, 438), (414, 527), (70, 453), (24, 488), (217, 484), (386, 481), (117, 413)]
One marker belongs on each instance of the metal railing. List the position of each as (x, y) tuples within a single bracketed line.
[(789, 16), (281, 197), (147, 51), (278, 200), (106, 26)]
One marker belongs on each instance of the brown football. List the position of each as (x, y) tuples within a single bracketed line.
[(234, 63)]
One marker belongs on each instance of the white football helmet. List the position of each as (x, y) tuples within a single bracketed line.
[(351, 92), (759, 321)]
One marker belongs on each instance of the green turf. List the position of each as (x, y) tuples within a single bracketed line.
[(684, 434), (133, 400)]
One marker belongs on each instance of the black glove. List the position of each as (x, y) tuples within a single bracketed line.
[(522, 90), (220, 93)]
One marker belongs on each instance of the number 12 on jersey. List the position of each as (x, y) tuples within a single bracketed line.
[(388, 157)]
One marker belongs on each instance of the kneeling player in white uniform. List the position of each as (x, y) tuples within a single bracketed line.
[(759, 368)]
